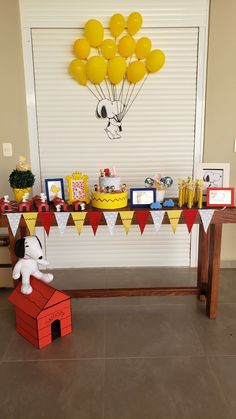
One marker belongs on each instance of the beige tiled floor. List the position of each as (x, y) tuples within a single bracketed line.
[(127, 358)]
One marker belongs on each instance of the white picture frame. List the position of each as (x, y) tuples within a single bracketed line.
[(214, 175)]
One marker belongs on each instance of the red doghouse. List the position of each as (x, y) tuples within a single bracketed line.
[(43, 315)]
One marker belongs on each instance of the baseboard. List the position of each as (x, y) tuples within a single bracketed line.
[(228, 264)]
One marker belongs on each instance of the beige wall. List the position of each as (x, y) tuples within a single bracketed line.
[(220, 127), (13, 119), (220, 120)]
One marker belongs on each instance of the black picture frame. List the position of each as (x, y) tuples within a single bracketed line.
[(134, 192), (47, 187)]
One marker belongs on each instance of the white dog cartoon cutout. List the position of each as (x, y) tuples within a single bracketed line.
[(29, 251), (113, 112)]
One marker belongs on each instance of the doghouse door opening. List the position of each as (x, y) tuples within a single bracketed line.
[(56, 329)]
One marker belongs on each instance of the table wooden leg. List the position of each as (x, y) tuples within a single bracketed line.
[(214, 270), (203, 261)]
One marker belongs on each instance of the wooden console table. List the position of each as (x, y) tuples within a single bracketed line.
[(208, 260)]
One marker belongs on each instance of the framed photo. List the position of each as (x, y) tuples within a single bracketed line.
[(220, 197), (78, 188), (54, 189), (214, 175), (142, 197)]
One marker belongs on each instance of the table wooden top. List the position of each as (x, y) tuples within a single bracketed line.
[(221, 216)]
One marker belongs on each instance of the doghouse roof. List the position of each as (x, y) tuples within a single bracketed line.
[(42, 297)]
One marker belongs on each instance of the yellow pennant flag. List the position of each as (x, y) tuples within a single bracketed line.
[(126, 217), (79, 218), (174, 217), (30, 219)]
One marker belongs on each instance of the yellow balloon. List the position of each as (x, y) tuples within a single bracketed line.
[(116, 69), (134, 23), (155, 61), (126, 46), (136, 71), (143, 48), (94, 32), (81, 48), (108, 48), (96, 68), (78, 71), (117, 24)]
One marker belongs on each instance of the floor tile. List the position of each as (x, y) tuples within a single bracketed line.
[(218, 337), (85, 341), (55, 390), (224, 369), (4, 294), (7, 327), (162, 388), (150, 331)]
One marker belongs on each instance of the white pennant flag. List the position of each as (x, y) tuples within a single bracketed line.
[(157, 217), (206, 216), (14, 221), (111, 218), (62, 218)]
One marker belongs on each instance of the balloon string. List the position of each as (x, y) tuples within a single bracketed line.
[(108, 89), (130, 95), (93, 93), (102, 91), (135, 96), (98, 91), (127, 95)]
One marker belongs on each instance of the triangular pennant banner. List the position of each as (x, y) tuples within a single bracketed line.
[(79, 218), (190, 216), (174, 217), (206, 216), (14, 221), (110, 218), (30, 219), (157, 217), (126, 217), (94, 220), (46, 220), (141, 217), (62, 218)]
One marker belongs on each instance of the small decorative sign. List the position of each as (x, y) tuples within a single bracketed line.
[(220, 197)]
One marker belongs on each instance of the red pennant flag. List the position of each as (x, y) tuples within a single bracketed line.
[(141, 217), (189, 216), (46, 220), (94, 220)]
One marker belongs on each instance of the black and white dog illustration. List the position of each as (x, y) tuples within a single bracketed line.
[(29, 250), (113, 112)]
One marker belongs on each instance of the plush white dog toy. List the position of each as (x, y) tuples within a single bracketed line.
[(29, 250)]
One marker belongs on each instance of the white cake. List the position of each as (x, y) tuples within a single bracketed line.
[(105, 181)]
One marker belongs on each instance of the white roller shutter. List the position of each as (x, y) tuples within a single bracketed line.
[(158, 136)]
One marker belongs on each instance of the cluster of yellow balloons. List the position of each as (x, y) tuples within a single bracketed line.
[(111, 60)]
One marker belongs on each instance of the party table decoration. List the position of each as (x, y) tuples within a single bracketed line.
[(78, 188), (190, 192), (25, 204), (21, 179), (115, 72), (5, 204)]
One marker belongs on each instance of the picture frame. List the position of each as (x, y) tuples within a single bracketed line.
[(214, 175), (78, 188), (220, 197), (54, 188), (142, 197)]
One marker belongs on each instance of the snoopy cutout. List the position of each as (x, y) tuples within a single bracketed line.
[(29, 250), (112, 111)]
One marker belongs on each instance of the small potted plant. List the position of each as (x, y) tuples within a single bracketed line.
[(21, 179)]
